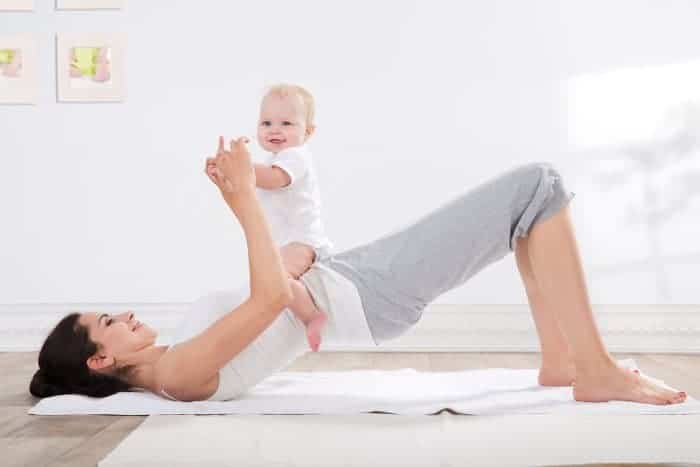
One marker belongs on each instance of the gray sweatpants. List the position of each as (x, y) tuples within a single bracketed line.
[(398, 275)]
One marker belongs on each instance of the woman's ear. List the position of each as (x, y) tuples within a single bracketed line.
[(98, 362)]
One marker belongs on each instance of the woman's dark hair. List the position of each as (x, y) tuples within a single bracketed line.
[(63, 364)]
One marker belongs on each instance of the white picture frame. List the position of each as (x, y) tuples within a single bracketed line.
[(18, 69), (16, 5), (80, 66), (90, 4)]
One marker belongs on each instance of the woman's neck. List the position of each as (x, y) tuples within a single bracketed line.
[(140, 373)]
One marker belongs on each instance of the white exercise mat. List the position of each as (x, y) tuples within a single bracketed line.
[(406, 391), (413, 440)]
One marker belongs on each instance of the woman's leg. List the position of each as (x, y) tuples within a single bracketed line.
[(557, 368), (558, 273), (399, 274)]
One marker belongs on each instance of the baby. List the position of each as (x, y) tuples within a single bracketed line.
[(288, 189)]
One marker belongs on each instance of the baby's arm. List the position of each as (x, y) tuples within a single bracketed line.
[(271, 177)]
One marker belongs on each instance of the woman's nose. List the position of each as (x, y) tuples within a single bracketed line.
[(126, 316)]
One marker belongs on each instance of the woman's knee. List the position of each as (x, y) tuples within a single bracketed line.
[(540, 194), (538, 172), (542, 177)]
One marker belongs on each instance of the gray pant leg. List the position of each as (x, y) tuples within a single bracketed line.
[(398, 275)]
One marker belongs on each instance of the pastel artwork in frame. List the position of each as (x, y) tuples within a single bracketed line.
[(18, 69), (90, 4), (16, 5), (91, 67)]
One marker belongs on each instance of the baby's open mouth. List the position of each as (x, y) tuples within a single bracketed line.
[(276, 141)]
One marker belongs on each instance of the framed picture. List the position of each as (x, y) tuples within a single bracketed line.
[(16, 5), (90, 4), (91, 67), (18, 69)]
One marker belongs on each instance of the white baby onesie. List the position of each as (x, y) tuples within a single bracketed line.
[(294, 211)]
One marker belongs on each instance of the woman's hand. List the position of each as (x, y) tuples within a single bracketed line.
[(297, 258), (231, 171), (216, 176)]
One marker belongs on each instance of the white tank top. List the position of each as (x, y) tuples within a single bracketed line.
[(285, 339)]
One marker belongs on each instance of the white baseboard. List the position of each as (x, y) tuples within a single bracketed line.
[(443, 328)]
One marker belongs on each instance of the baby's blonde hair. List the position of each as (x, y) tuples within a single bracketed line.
[(285, 89)]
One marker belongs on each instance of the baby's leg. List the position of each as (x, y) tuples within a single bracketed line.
[(307, 312)]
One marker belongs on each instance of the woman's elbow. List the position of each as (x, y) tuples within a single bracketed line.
[(285, 297), (280, 299)]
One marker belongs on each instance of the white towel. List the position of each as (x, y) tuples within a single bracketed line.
[(406, 391)]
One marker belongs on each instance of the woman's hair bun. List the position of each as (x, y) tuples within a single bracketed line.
[(41, 386)]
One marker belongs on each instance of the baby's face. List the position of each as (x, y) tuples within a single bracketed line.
[(282, 123)]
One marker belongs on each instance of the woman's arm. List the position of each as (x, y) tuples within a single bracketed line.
[(268, 278), (236, 179), (194, 362)]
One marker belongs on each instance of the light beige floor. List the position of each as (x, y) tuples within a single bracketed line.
[(84, 440)]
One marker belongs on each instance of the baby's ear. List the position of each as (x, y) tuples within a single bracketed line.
[(310, 130)]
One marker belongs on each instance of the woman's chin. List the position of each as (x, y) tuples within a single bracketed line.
[(146, 333)]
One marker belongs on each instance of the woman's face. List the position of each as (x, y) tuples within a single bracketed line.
[(116, 335)]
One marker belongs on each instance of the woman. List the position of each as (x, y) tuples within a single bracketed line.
[(230, 341)]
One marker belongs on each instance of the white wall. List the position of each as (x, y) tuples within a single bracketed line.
[(416, 102)]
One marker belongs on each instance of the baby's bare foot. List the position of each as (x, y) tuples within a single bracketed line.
[(616, 383), (313, 330)]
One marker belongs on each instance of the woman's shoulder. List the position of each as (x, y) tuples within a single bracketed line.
[(166, 379)]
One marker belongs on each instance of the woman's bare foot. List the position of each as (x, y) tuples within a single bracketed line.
[(313, 330), (557, 375), (613, 382), (563, 374)]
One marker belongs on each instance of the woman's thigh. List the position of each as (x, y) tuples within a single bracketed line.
[(398, 275)]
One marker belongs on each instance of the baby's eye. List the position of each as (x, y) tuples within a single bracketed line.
[(265, 123), (109, 321), (287, 123)]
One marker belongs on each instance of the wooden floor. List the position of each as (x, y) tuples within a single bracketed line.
[(30, 440)]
